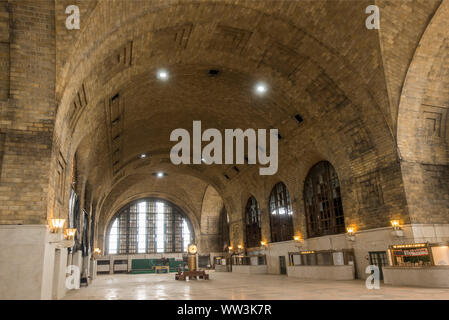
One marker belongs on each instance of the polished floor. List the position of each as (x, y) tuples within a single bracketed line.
[(231, 286)]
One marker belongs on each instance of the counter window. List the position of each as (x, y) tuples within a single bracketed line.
[(440, 255), (321, 258), (419, 255), (411, 256)]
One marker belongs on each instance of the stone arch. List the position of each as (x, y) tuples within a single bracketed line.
[(423, 126), (211, 208)]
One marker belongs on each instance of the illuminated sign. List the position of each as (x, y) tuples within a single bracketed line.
[(411, 252)]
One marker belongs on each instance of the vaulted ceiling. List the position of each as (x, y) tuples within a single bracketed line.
[(317, 58)]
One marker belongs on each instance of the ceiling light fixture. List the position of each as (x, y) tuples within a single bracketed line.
[(261, 88), (162, 75), (143, 156), (159, 174)]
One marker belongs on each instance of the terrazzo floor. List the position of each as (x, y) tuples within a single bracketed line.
[(232, 286)]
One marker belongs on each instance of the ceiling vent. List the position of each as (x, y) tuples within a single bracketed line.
[(214, 72), (299, 118)]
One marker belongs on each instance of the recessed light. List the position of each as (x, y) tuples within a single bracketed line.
[(261, 88), (162, 75), (159, 174)]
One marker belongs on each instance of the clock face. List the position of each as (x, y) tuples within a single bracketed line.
[(192, 249)]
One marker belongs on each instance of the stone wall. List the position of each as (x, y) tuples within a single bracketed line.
[(27, 110)]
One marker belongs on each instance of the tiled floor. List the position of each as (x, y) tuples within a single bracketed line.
[(227, 286)]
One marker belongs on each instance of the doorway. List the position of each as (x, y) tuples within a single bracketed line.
[(379, 259), (282, 265)]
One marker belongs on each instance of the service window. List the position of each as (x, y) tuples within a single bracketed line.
[(262, 260), (309, 259), (411, 255), (339, 259), (296, 259), (440, 255), (324, 258)]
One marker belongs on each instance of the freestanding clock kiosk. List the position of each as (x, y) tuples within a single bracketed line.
[(193, 273), (192, 250)]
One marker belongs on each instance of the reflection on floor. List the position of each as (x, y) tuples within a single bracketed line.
[(226, 286)]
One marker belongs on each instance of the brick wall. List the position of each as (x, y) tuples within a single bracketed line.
[(27, 115)]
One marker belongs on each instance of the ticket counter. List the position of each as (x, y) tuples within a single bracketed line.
[(324, 264), (253, 264), (418, 264)]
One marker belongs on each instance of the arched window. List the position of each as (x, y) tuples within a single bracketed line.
[(281, 214), (149, 226), (322, 198), (253, 227)]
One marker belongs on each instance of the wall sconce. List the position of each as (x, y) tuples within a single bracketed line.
[(56, 225), (230, 248), (350, 233), (97, 251), (299, 241), (397, 231), (263, 243), (350, 230), (395, 224), (69, 233)]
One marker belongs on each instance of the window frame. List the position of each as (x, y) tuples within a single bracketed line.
[(281, 226), (325, 194), (128, 243), (253, 225)]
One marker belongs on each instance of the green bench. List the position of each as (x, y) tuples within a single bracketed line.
[(139, 266)]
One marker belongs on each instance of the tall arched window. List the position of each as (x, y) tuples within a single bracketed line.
[(253, 227), (322, 198), (281, 214), (149, 226)]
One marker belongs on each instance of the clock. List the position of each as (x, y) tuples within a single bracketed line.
[(192, 249)]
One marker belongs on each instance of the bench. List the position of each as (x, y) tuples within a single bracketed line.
[(192, 275)]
